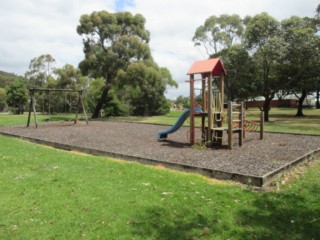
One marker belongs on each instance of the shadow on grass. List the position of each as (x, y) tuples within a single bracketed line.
[(285, 215), (161, 223), (270, 215)]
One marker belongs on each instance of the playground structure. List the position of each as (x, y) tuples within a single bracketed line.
[(32, 106), (215, 120)]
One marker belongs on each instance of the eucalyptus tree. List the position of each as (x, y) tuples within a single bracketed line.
[(218, 33), (40, 70), (142, 86), (68, 77), (264, 37), (240, 81), (223, 37), (112, 41), (302, 56), (41, 74)]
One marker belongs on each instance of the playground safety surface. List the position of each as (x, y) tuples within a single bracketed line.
[(257, 162)]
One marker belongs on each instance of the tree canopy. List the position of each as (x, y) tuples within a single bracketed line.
[(218, 33), (144, 86), (112, 43), (302, 56), (40, 70), (16, 95), (264, 56)]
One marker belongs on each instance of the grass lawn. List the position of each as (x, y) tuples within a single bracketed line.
[(284, 120), (53, 194), (281, 120), (10, 119)]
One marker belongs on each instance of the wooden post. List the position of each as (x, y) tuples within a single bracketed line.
[(192, 108), (49, 100), (210, 113), (34, 111), (30, 107), (83, 108), (203, 88), (244, 120), (261, 124), (204, 105), (241, 132), (221, 89), (78, 108), (230, 130)]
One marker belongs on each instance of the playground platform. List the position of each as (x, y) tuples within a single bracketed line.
[(257, 162)]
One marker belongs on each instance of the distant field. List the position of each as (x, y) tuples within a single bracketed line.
[(11, 119), (281, 120)]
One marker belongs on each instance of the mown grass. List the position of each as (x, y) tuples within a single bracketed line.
[(11, 119), (168, 119), (53, 194), (284, 120), (281, 120)]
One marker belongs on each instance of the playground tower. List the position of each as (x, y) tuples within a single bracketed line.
[(212, 74), (210, 108)]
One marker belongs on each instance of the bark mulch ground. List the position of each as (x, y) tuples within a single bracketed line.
[(255, 158)]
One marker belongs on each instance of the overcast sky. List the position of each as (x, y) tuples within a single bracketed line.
[(30, 28)]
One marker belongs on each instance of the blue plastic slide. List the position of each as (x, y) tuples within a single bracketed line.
[(164, 134)]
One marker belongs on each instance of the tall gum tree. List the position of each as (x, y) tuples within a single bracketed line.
[(40, 70), (302, 56), (221, 36), (218, 33), (143, 86), (263, 35), (239, 83), (112, 41)]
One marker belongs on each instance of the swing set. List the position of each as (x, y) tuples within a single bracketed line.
[(32, 106)]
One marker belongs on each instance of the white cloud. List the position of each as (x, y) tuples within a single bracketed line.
[(172, 24), (31, 28)]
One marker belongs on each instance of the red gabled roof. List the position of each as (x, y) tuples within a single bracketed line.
[(213, 65)]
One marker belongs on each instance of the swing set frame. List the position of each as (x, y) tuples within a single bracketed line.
[(32, 106)]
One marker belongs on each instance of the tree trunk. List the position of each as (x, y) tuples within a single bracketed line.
[(318, 99), (266, 109), (300, 104), (101, 101)]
